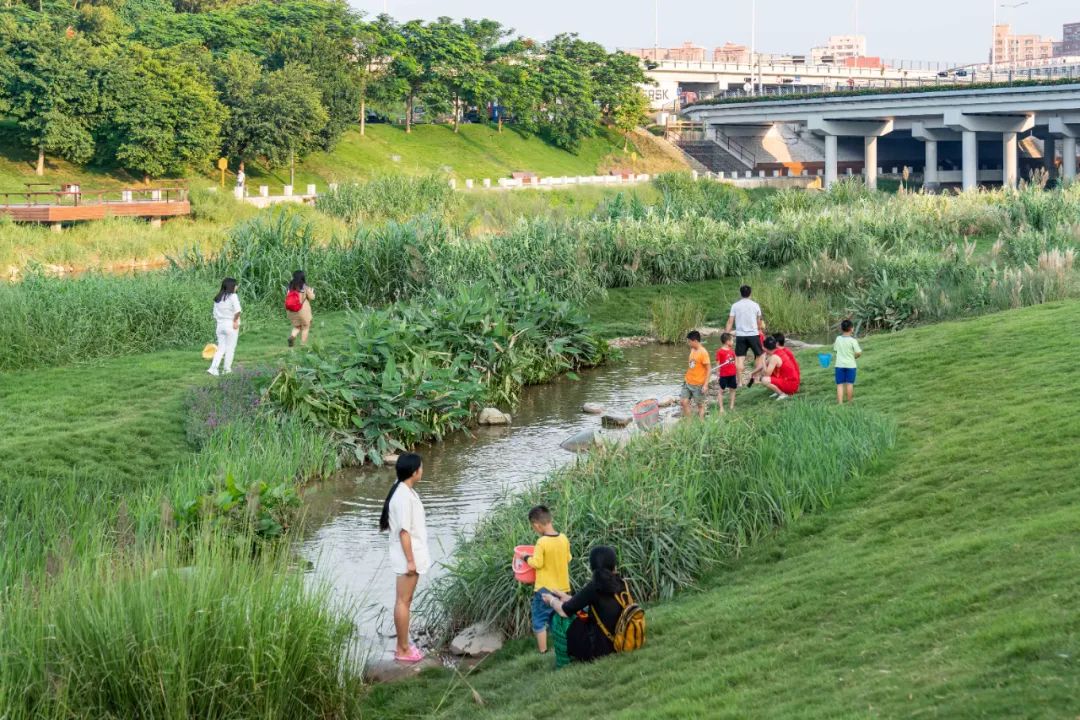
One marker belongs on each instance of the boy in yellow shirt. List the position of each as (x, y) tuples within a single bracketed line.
[(551, 560)]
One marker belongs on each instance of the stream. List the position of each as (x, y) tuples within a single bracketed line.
[(464, 476)]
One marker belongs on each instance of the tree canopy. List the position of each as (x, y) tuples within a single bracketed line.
[(159, 86)]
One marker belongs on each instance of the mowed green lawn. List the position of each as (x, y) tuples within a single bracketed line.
[(943, 584), (123, 417)]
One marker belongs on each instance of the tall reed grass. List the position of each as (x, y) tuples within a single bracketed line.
[(389, 197), (673, 319), (176, 631), (674, 505)]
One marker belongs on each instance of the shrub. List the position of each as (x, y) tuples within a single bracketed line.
[(673, 505), (417, 371)]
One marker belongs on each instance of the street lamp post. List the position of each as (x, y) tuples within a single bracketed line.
[(753, 48)]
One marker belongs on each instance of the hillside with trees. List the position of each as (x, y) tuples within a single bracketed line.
[(157, 88)]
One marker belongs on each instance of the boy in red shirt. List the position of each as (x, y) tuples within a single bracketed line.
[(726, 370)]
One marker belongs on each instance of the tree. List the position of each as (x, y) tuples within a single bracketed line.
[(160, 112), (51, 92), (290, 116), (236, 79), (567, 112), (616, 77), (629, 112), (517, 88), (374, 45)]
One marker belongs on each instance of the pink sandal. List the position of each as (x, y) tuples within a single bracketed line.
[(414, 655)]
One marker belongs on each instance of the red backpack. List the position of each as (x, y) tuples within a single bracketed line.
[(294, 301)]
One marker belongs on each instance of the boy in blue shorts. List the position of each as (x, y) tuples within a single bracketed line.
[(551, 560), (847, 349)]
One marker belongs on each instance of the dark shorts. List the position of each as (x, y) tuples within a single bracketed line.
[(845, 376), (541, 611), (751, 342), (730, 382)]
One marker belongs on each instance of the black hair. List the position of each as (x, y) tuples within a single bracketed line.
[(725, 337), (693, 335), (770, 343), (540, 514), (228, 287), (602, 562), (298, 280), (846, 325), (407, 465), (780, 339), (745, 291)]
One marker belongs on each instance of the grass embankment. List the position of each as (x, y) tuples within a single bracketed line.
[(939, 584)]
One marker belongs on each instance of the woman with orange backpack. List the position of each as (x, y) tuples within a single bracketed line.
[(298, 307), (600, 619)]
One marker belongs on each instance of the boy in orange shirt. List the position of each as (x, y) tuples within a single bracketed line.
[(696, 382)]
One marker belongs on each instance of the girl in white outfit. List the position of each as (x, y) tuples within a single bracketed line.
[(227, 316)]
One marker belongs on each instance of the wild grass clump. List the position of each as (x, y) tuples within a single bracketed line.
[(389, 197), (684, 197), (674, 505), (791, 311), (56, 320), (417, 371), (672, 319), (176, 631)]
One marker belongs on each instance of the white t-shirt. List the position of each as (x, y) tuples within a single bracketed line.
[(227, 309), (407, 513), (746, 313)]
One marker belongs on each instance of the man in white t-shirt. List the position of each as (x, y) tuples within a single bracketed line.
[(746, 321), (403, 516)]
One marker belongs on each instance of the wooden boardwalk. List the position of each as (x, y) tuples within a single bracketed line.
[(75, 205)]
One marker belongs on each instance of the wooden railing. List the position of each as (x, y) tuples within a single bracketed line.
[(80, 197)]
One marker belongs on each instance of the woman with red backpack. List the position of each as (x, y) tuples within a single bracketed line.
[(298, 307)]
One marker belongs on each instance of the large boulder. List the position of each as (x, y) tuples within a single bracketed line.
[(616, 420), (592, 409), (493, 416), (479, 639)]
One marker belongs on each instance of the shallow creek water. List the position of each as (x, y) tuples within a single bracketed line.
[(464, 476)]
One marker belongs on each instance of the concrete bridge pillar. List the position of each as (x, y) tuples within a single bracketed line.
[(1008, 171), (1068, 158), (970, 174), (831, 162), (870, 161), (930, 171)]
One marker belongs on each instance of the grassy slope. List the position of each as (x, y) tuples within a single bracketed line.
[(942, 584), (477, 151), (121, 417)]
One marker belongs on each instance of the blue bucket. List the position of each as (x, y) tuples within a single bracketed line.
[(825, 359)]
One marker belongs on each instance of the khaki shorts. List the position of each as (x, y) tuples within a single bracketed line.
[(693, 393)]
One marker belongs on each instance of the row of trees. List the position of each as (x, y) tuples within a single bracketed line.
[(157, 86)]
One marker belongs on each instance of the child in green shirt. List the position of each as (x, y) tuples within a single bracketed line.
[(847, 349)]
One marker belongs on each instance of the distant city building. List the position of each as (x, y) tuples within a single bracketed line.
[(687, 52), (732, 53), (1010, 48), (838, 49), (1070, 40)]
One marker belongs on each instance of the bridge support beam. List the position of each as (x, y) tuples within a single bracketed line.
[(869, 130), (971, 124), (870, 160), (831, 161), (1008, 153), (1068, 159), (970, 174), (931, 136), (1068, 129)]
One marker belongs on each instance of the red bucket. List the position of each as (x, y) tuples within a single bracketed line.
[(523, 572)]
